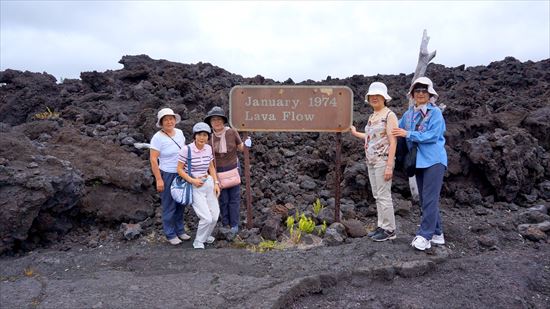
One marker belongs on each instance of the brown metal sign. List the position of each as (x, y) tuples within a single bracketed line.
[(291, 108)]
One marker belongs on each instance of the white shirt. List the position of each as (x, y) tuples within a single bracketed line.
[(168, 158)]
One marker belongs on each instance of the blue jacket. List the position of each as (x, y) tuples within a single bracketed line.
[(429, 136)]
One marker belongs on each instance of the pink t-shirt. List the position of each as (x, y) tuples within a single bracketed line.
[(200, 159)]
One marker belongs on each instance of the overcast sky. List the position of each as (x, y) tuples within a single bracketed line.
[(276, 39)]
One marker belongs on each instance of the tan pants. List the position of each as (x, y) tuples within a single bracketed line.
[(381, 190)]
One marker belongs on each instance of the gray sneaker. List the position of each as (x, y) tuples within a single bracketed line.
[(384, 235), (376, 231)]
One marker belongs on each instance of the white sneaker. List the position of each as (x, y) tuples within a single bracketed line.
[(421, 243), (174, 241), (184, 236), (198, 245), (210, 239), (438, 239)]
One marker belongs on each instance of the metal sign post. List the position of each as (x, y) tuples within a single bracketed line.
[(249, 223), (291, 109)]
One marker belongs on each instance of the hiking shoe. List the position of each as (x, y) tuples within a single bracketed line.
[(376, 231), (198, 245), (384, 235), (210, 239), (174, 241), (438, 239), (421, 243), (184, 236)]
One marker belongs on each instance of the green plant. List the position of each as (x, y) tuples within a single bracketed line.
[(263, 246), (317, 207), (266, 245), (295, 235), (29, 272), (47, 114), (323, 229), (289, 222), (306, 224)]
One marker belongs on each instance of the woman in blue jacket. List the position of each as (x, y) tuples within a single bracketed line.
[(424, 125)]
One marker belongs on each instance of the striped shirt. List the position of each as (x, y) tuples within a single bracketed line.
[(200, 159)]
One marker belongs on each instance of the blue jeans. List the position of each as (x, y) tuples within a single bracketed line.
[(230, 202), (172, 212), (430, 181)]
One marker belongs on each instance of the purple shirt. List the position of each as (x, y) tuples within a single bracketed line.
[(200, 159)]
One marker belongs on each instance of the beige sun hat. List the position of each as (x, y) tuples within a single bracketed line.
[(166, 112), (378, 88), (429, 84)]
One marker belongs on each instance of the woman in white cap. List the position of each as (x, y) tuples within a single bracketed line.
[(424, 125), (380, 147), (203, 177), (165, 145)]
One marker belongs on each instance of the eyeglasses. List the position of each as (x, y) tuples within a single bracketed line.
[(420, 90)]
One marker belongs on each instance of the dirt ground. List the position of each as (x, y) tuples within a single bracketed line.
[(477, 268)]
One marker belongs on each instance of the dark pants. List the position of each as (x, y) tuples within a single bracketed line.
[(230, 202), (172, 212), (430, 181)]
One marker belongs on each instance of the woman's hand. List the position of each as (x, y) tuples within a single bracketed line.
[(217, 189), (353, 129), (399, 132), (197, 182), (388, 173), (160, 185)]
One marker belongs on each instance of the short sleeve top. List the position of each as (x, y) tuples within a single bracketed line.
[(200, 159), (168, 149)]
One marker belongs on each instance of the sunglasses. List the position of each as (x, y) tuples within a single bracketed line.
[(420, 90)]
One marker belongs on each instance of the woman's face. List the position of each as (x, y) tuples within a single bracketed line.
[(421, 95), (217, 123), (168, 122), (376, 101), (201, 139)]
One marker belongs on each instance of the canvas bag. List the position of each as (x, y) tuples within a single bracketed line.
[(181, 190)]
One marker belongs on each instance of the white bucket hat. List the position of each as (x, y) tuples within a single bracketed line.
[(378, 88), (166, 112), (424, 81)]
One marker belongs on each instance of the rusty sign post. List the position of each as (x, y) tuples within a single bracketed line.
[(291, 109)]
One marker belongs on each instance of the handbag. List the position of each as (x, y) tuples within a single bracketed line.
[(408, 155), (181, 190), (401, 151), (230, 178), (410, 161)]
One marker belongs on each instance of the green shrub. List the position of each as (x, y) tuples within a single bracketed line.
[(317, 207)]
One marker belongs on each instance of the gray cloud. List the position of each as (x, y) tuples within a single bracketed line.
[(300, 40)]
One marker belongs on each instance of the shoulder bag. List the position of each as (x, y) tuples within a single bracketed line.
[(409, 164), (181, 190), (227, 179)]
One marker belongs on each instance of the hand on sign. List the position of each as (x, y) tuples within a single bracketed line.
[(248, 142)]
